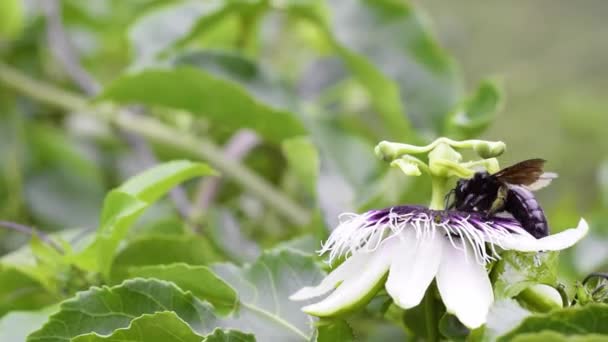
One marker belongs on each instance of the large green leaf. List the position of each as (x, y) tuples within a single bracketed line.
[(515, 271), (123, 205), (156, 327), (249, 74), (144, 251), (264, 287), (104, 310), (228, 336), (223, 102), (589, 319), (200, 280), (556, 337), (16, 325), (263, 306)]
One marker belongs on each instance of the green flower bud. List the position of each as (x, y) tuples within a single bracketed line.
[(489, 149)]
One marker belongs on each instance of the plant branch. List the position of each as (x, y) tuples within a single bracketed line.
[(21, 228), (63, 51), (155, 130), (235, 149)]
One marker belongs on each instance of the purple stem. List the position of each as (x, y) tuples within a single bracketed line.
[(235, 149), (31, 232)]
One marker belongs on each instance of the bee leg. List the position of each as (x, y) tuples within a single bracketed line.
[(499, 203), (447, 205)]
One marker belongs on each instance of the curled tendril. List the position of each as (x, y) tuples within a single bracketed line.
[(592, 293), (595, 275)]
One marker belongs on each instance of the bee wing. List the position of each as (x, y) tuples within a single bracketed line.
[(543, 181), (527, 173)]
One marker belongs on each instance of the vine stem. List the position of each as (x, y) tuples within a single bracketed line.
[(155, 130)]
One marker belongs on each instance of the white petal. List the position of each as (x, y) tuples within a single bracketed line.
[(413, 268), (525, 242), (349, 268), (464, 286), (360, 287)]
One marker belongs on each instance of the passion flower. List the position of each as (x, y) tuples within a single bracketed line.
[(415, 245)]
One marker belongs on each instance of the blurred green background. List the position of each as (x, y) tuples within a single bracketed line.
[(549, 57)]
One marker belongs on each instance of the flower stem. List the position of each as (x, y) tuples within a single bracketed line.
[(439, 191), (430, 314), (155, 130)]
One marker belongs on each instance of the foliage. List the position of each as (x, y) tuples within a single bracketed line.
[(141, 239)]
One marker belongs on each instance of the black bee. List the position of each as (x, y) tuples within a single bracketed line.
[(508, 190)]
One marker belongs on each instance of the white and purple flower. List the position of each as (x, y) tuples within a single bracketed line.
[(414, 245)]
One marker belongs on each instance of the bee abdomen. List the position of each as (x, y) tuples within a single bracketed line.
[(526, 209)]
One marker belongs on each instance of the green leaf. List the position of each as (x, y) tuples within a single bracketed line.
[(264, 287), (263, 307), (589, 319), (199, 280), (219, 335), (106, 309), (123, 205), (144, 251), (153, 183), (11, 18), (303, 159), (334, 330), (22, 290), (515, 271), (203, 94), (555, 337), (16, 325), (247, 73), (157, 327), (475, 115)]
